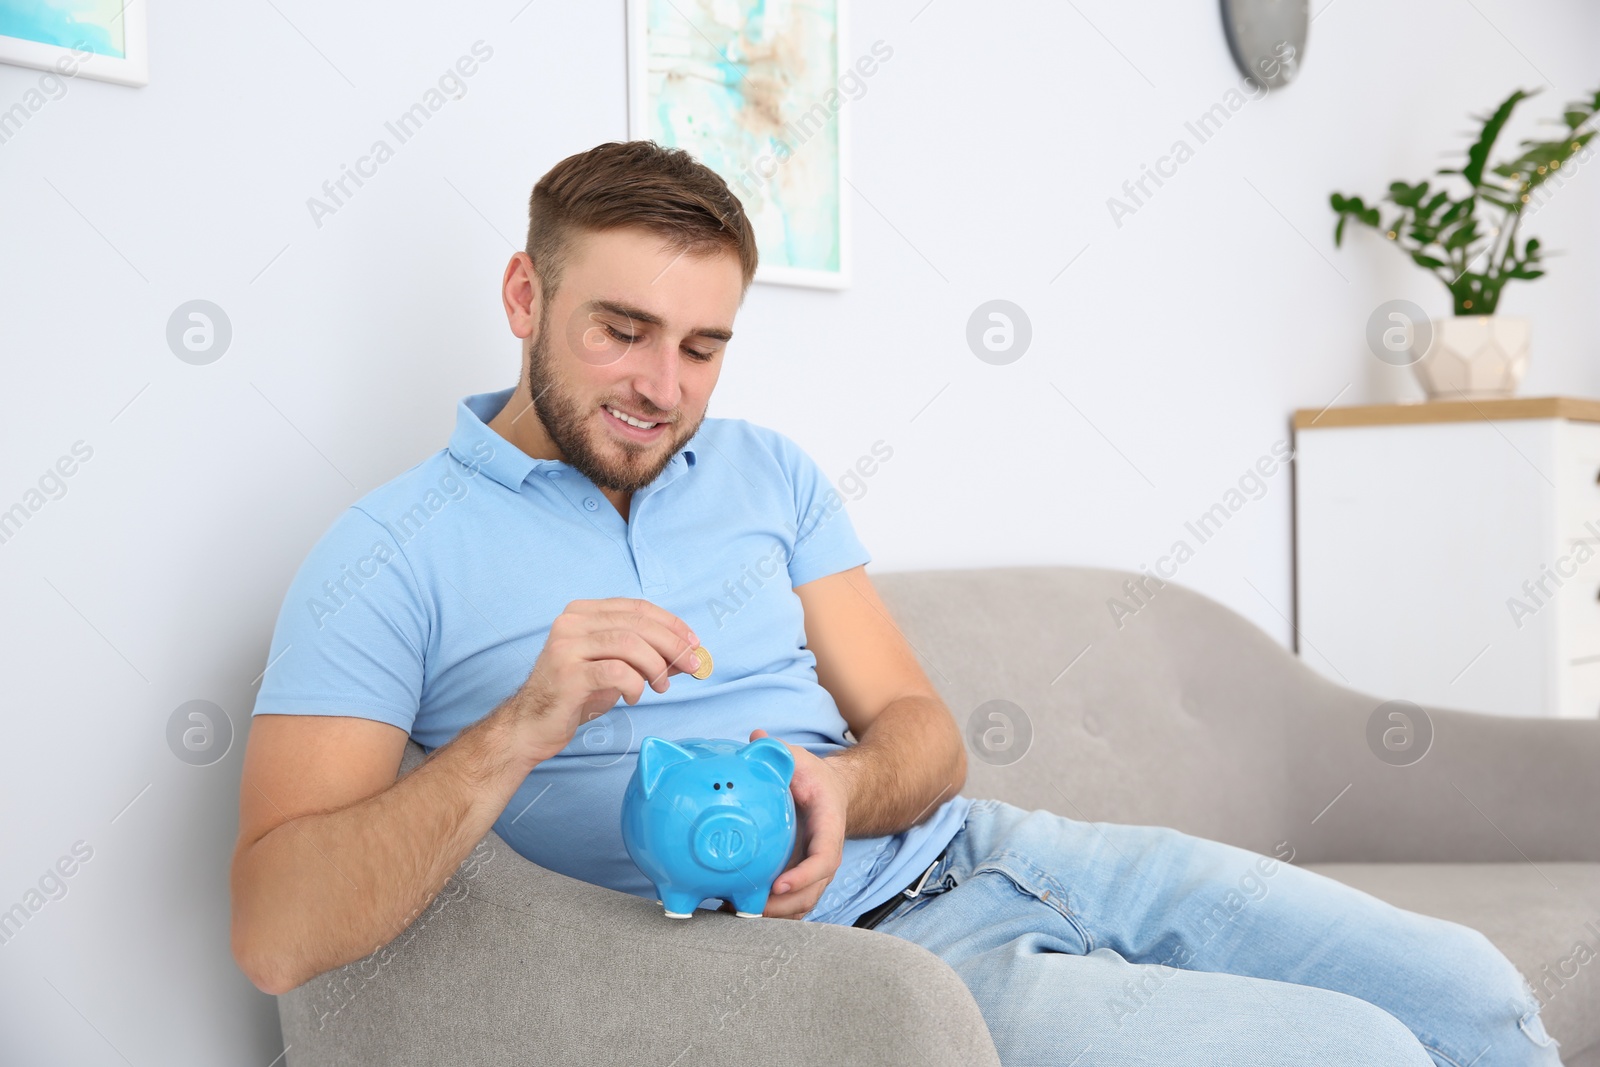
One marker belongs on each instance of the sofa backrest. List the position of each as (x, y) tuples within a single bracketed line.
[(1170, 709)]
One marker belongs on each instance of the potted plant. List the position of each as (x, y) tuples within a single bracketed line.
[(1466, 235)]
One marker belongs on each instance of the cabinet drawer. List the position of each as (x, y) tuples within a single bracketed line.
[(1578, 610), (1578, 483)]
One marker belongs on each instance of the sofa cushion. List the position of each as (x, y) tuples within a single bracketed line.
[(1544, 917)]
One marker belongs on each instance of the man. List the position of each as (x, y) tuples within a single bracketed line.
[(582, 535)]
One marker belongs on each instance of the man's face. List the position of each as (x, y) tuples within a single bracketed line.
[(635, 328)]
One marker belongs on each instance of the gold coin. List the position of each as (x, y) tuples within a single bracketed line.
[(704, 670)]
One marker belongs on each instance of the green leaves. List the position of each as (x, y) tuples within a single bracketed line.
[(1476, 294), (1475, 255), (1463, 235), (1478, 154), (1407, 195), (1541, 161), (1525, 268), (1457, 210), (1351, 207)]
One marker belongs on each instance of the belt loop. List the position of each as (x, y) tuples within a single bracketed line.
[(869, 919), (913, 892)]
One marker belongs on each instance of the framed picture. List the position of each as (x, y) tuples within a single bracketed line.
[(101, 39), (752, 90)]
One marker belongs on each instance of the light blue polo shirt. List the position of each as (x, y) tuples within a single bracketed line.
[(427, 602)]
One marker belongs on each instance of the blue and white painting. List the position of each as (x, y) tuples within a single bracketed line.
[(96, 25), (752, 89)]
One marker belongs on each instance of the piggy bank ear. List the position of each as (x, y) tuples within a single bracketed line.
[(773, 753), (656, 754)]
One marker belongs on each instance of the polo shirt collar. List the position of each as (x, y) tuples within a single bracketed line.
[(507, 464)]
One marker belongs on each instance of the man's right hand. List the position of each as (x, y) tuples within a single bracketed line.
[(366, 851), (597, 651)]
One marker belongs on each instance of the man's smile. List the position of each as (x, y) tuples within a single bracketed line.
[(631, 427)]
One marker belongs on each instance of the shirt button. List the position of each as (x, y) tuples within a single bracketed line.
[(589, 503), (552, 474)]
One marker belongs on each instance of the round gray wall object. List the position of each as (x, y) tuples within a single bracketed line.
[(1267, 38)]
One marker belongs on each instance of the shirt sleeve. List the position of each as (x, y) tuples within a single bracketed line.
[(351, 631), (825, 541)]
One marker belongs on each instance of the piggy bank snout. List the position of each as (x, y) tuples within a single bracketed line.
[(724, 839)]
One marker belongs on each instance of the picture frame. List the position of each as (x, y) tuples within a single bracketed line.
[(782, 200), (101, 39)]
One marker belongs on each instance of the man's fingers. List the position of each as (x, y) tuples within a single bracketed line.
[(823, 853), (641, 614), (797, 890), (635, 608), (793, 904), (666, 634), (797, 876), (671, 649), (818, 845)]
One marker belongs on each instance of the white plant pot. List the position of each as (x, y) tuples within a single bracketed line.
[(1474, 356)]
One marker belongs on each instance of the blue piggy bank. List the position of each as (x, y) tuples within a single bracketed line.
[(708, 817)]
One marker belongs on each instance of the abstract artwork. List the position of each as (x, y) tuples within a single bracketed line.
[(753, 89), (101, 39)]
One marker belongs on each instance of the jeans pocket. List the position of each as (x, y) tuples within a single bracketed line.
[(1031, 882)]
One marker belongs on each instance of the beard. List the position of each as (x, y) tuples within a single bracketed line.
[(570, 426)]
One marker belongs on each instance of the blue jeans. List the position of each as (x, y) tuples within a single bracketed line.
[(1096, 944)]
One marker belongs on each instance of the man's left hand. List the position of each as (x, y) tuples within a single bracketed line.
[(821, 798)]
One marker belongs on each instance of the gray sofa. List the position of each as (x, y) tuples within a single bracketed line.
[(1185, 715)]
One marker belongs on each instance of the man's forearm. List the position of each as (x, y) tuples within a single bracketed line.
[(322, 890), (909, 762)]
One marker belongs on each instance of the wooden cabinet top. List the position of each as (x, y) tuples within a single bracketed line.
[(1581, 409)]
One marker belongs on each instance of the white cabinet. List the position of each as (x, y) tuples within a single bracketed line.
[(1448, 553)]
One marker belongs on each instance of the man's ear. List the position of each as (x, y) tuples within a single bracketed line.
[(656, 754), (773, 753), (522, 280)]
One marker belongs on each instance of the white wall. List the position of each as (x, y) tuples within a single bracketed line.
[(985, 151)]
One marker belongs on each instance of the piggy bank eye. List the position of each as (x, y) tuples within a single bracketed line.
[(716, 785), (730, 785)]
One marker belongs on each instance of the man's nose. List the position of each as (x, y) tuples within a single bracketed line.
[(654, 371)]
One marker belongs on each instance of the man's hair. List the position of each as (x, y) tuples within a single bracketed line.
[(635, 183)]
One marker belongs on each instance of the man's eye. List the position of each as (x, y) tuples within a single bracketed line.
[(619, 335), (701, 357)]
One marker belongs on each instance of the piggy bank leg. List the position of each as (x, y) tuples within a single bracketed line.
[(678, 905), (750, 905)]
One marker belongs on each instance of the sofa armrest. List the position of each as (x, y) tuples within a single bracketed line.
[(515, 964), (1490, 788)]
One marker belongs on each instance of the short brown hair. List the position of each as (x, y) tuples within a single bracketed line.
[(635, 183)]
